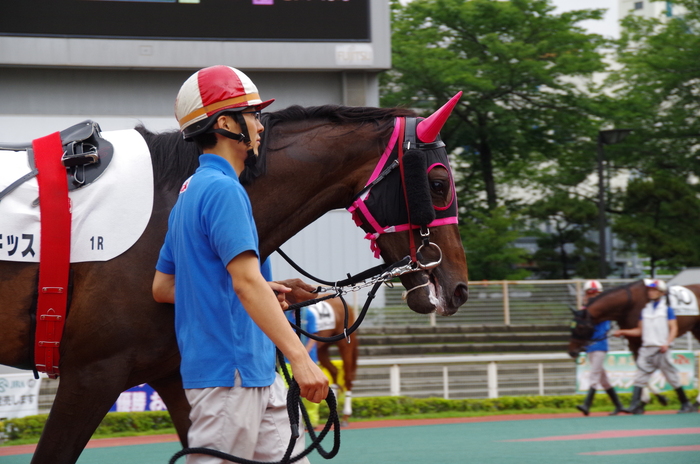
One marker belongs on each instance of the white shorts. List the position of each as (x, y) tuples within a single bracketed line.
[(251, 423)]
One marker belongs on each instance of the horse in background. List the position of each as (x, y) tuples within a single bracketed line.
[(330, 318), (623, 305)]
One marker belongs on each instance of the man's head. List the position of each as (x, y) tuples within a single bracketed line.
[(592, 288), (211, 93), (655, 288)]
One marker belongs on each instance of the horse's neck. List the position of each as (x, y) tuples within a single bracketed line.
[(305, 181)]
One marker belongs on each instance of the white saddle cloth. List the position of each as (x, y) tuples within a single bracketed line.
[(108, 215), (683, 301), (325, 316)]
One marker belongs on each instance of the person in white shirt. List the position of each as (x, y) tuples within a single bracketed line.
[(658, 328)]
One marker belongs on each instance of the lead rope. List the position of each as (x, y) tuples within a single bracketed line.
[(294, 405)]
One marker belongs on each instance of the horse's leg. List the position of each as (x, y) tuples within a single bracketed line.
[(349, 362), (324, 358), (173, 395), (83, 398)]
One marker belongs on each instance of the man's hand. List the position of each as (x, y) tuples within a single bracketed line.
[(280, 291), (299, 290), (313, 384)]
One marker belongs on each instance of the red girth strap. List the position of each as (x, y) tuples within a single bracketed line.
[(54, 252)]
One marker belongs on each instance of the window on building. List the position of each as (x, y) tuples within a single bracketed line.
[(638, 5)]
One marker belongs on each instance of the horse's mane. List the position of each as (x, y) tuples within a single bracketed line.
[(337, 114), (174, 159), (326, 114)]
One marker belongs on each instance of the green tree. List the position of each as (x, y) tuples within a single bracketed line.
[(521, 119), (488, 239), (657, 94), (566, 250), (662, 217)]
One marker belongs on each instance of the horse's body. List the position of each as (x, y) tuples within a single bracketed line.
[(624, 305), (116, 336), (347, 348)]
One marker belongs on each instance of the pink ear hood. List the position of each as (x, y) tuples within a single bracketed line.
[(429, 128)]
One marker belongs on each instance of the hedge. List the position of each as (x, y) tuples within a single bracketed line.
[(30, 427)]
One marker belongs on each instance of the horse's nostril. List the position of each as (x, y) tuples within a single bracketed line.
[(460, 296)]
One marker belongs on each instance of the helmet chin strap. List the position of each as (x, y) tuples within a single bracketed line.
[(243, 136), (239, 137)]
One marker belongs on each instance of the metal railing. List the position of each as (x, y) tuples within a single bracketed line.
[(467, 376), (495, 302)]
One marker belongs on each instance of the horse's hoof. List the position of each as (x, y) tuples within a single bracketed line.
[(344, 423)]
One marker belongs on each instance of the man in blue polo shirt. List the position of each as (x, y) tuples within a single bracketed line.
[(658, 328), (227, 318), (596, 353)]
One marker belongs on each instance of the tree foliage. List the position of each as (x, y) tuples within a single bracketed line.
[(529, 119), (514, 61), (657, 93)]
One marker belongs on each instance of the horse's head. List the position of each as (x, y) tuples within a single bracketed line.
[(409, 209), (582, 328), (618, 304)]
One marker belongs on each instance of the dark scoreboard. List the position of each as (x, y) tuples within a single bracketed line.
[(218, 20)]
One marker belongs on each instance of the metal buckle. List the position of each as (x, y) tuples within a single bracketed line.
[(76, 156)]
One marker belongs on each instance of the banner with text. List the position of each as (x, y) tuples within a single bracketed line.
[(620, 368), (19, 395), (139, 398)]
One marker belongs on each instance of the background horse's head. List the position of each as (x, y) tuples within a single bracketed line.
[(619, 304), (582, 328)]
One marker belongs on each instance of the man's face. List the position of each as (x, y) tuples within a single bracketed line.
[(653, 293), (255, 128)]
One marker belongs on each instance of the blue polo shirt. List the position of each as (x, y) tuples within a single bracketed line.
[(212, 223), (600, 333)]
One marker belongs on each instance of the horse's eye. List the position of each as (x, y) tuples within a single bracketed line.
[(437, 187)]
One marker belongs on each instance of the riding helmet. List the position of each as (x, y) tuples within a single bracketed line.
[(592, 286), (210, 91), (657, 284)]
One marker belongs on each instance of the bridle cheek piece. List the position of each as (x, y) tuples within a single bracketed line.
[(385, 204)]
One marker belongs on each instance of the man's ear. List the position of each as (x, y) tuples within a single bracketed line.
[(228, 123)]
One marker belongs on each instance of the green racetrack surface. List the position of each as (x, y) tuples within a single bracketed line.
[(481, 442)]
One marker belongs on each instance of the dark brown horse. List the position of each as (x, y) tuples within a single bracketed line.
[(116, 336), (624, 305)]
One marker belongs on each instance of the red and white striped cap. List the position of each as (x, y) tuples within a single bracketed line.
[(210, 91), (592, 286)]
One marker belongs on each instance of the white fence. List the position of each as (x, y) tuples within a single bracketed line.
[(495, 302), (493, 376), (467, 376)]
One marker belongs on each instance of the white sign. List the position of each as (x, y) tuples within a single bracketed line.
[(354, 55), (19, 395)]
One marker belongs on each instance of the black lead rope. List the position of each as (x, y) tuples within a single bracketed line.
[(294, 404), (351, 280)]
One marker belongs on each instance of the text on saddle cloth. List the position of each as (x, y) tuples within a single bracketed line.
[(109, 215)]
